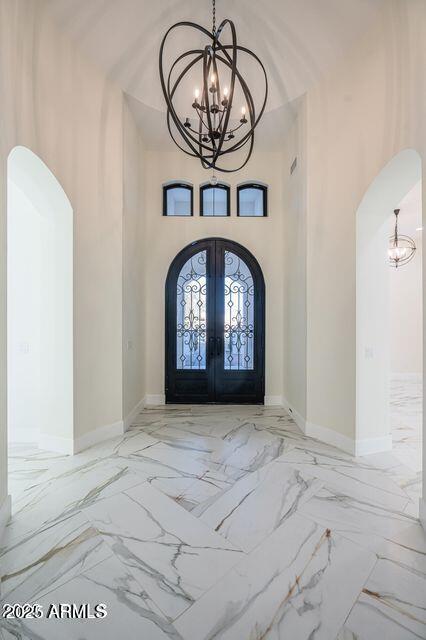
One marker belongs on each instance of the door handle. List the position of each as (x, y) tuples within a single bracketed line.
[(212, 344), (218, 346)]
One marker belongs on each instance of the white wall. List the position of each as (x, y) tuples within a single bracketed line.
[(405, 311), (40, 304), (133, 268), (294, 267), (166, 236), (59, 105)]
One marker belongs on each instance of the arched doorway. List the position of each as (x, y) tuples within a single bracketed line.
[(375, 314), (215, 325), (39, 305)]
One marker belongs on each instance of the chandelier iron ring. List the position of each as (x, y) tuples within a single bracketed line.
[(253, 119), (405, 243), (214, 137)]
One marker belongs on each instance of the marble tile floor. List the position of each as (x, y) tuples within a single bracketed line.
[(220, 523)]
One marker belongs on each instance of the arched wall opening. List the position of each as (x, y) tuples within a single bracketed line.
[(39, 305), (373, 299)]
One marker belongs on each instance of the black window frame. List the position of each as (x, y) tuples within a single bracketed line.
[(219, 185), (253, 185), (177, 185)]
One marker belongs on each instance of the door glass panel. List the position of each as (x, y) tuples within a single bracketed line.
[(191, 313), (239, 314)]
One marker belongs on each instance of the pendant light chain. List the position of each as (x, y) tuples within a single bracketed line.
[(396, 212), (214, 16)]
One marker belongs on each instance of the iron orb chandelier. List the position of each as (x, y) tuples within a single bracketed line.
[(214, 131), (401, 248)]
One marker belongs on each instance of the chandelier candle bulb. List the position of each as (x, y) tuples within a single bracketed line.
[(196, 104), (225, 97)]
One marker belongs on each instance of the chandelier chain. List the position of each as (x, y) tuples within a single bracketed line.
[(214, 16)]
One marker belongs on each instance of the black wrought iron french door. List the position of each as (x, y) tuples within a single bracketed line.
[(215, 325)]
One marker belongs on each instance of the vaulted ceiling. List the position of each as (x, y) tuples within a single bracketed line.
[(297, 40)]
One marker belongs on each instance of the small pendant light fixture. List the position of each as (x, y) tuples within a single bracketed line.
[(216, 127), (401, 248)]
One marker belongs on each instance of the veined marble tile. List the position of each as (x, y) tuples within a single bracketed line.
[(408, 480), (412, 508), (21, 455), (26, 463), (409, 456), (190, 494), (53, 555), (411, 484), (58, 497), (247, 448), (346, 476), (181, 438), (392, 605), (406, 422), (346, 634), (407, 550), (362, 520), (206, 425), (133, 441), (174, 556), (131, 614), (191, 467), (148, 427), (406, 435), (165, 462), (189, 463), (13, 630), (188, 488), (258, 504), (301, 582), (282, 425), (149, 420)]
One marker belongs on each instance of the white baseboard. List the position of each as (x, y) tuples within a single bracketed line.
[(64, 446), (335, 439), (154, 400), (422, 512), (98, 435), (361, 447), (273, 401), (297, 417), (131, 417), (329, 436), (5, 513), (19, 436)]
